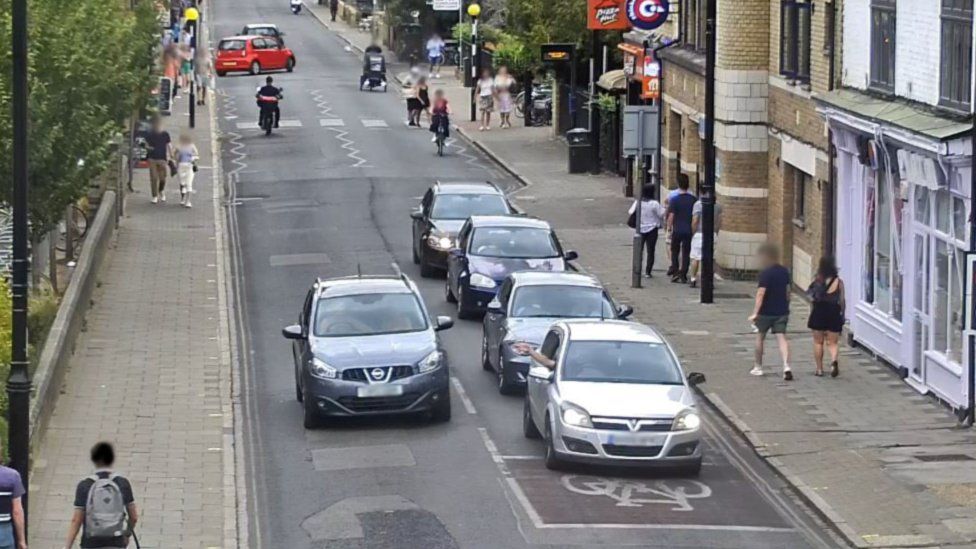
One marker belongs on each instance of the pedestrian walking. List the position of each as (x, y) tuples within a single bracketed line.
[(485, 89), (333, 9), (186, 168), (186, 65), (435, 55), (651, 221), (414, 105), (680, 208), (423, 95), (160, 153), (503, 90), (105, 509), (826, 293), (204, 76), (12, 532), (697, 238), (771, 312)]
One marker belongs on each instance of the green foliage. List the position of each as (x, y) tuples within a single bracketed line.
[(91, 65), (512, 52), (486, 33), (606, 103), (41, 310), (537, 22)]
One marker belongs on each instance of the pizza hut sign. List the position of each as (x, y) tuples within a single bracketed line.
[(607, 15)]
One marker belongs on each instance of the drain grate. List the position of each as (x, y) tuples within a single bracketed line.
[(944, 457)]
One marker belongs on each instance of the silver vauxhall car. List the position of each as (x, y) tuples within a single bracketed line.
[(612, 392)]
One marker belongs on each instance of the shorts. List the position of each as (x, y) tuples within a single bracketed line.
[(696, 247), (7, 540), (765, 323), (435, 59), (486, 103)]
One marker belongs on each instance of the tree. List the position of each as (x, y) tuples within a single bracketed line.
[(91, 66), (537, 22)]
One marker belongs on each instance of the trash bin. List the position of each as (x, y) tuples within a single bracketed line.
[(580, 155)]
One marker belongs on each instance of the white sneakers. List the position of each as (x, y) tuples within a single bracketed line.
[(756, 371), (154, 200)]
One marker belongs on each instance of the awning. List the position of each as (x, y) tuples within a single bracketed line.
[(613, 80), (896, 112)]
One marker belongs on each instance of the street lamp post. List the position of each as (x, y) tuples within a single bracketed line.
[(708, 189), (474, 10), (19, 382)]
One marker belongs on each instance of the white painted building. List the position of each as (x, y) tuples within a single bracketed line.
[(901, 128)]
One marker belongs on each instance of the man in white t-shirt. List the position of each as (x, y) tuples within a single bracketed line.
[(435, 54), (696, 240)]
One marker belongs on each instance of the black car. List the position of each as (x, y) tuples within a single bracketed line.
[(443, 209), (527, 304), (489, 248), (366, 345)]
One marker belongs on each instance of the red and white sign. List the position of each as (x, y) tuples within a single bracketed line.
[(647, 14)]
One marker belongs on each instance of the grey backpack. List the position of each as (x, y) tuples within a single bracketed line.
[(105, 515)]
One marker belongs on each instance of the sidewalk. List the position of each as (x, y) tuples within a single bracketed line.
[(149, 374), (887, 466)]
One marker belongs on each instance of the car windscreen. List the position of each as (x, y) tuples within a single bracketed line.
[(261, 31), (463, 206), (561, 301), (231, 45), (620, 362), (523, 242), (369, 314)]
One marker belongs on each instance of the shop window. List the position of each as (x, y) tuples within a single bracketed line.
[(882, 260), (957, 54), (794, 45), (883, 45), (959, 218)]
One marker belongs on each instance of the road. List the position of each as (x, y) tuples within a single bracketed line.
[(329, 194)]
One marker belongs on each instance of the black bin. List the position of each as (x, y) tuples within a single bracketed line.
[(580, 155)]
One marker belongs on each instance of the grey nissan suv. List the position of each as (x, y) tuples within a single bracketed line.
[(366, 345)]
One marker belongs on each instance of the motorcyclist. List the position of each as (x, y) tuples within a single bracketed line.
[(267, 97), (296, 5)]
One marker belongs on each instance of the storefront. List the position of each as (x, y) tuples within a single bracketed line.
[(902, 212)]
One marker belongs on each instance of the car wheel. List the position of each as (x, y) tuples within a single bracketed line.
[(221, 73), (299, 396), (462, 311), (448, 294), (485, 361), (442, 411), (310, 416), (552, 459), (504, 387), (528, 426), (255, 67), (290, 65), (426, 270), (413, 249)]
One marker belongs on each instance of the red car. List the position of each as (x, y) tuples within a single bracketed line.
[(252, 54)]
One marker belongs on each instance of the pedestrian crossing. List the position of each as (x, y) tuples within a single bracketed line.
[(368, 123)]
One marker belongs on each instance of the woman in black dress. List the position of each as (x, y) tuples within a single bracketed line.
[(423, 94), (826, 293)]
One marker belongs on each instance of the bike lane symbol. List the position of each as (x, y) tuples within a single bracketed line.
[(627, 493)]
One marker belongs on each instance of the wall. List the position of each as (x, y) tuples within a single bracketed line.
[(857, 43)]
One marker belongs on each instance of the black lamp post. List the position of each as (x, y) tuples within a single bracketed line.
[(708, 189)]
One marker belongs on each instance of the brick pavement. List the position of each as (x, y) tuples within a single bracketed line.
[(150, 374)]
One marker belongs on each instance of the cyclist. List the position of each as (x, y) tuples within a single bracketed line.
[(268, 97), (440, 112)]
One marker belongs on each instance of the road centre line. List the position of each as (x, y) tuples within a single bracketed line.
[(468, 405)]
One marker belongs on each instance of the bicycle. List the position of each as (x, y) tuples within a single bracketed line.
[(77, 221), (441, 138)]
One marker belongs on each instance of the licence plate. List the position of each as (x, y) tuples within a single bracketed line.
[(632, 439), (379, 391)]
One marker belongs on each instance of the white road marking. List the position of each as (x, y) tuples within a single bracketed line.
[(521, 457), (368, 123), (695, 332), (468, 405), (496, 456), (291, 260), (331, 122), (281, 123)]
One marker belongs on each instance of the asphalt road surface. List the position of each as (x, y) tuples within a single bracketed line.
[(330, 193)]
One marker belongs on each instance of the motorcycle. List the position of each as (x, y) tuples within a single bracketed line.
[(296, 6), (269, 111)]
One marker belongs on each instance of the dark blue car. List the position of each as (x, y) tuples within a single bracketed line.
[(489, 248)]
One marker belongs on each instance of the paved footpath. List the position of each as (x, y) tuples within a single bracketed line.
[(149, 374), (888, 466)]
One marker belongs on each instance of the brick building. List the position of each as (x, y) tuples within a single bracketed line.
[(772, 164)]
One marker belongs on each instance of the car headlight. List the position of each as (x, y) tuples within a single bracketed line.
[(430, 362), (440, 241), (322, 370), (688, 420), (575, 416), (481, 281)]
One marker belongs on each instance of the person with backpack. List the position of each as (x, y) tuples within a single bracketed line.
[(11, 510), (826, 294), (104, 505)]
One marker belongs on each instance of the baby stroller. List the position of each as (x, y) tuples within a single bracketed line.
[(374, 71)]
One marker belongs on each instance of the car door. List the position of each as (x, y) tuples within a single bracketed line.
[(267, 54), (300, 347), (456, 260), (495, 323), (538, 389)]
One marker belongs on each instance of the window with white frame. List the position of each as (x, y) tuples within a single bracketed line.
[(882, 276), (957, 54), (794, 45), (883, 45)]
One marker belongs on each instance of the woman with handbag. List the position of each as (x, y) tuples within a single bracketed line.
[(186, 156), (651, 220), (826, 294)]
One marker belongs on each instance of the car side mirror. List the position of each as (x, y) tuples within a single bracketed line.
[(293, 332), (624, 311), (443, 323), (571, 255), (417, 214), (495, 307), (696, 378), (541, 373)]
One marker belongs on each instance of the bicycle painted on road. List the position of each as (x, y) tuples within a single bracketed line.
[(627, 493)]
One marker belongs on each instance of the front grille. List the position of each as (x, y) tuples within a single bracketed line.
[(660, 427), (360, 375), (378, 404), (623, 425), (631, 451)]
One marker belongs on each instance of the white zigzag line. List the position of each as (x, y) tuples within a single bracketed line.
[(472, 159), (347, 144)]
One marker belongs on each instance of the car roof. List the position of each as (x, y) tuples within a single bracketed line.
[(611, 330), (260, 25), (508, 221), (358, 285), (466, 187), (544, 278), (240, 37)]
